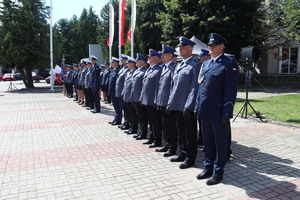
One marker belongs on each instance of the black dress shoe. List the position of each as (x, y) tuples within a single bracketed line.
[(153, 145), (124, 127), (214, 180), (112, 122), (204, 174), (116, 123), (169, 153), (178, 159), (95, 111), (148, 142), (185, 165), (131, 132), (163, 149), (140, 137), (88, 108)]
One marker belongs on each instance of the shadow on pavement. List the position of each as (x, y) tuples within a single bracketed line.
[(250, 168)]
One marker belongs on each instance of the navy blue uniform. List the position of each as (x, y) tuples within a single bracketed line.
[(96, 86), (112, 93), (215, 100)]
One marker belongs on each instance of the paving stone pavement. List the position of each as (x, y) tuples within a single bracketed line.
[(52, 148)]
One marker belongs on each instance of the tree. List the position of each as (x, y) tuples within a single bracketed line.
[(283, 22), (24, 36), (234, 19)]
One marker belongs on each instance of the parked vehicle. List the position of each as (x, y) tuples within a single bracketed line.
[(44, 73), (18, 76), (8, 77), (36, 77)]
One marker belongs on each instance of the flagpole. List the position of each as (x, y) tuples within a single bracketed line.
[(132, 26), (51, 51), (120, 26)]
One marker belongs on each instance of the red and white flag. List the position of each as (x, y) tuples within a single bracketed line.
[(111, 24), (122, 4), (133, 19)]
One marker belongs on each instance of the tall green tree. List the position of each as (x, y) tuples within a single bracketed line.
[(24, 36), (282, 22), (234, 19)]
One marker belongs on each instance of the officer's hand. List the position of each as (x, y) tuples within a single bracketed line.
[(168, 110), (158, 107), (226, 120), (187, 114)]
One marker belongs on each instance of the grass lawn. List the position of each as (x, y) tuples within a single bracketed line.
[(284, 108)]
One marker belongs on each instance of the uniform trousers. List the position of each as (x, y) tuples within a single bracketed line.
[(117, 104), (215, 137), (132, 116), (96, 98), (155, 124), (125, 111), (169, 133), (90, 99), (142, 119), (69, 87), (191, 138)]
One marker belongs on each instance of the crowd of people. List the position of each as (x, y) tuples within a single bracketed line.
[(167, 102)]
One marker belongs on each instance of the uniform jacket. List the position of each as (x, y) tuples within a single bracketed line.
[(82, 76), (96, 76), (106, 74), (185, 85), (150, 85), (165, 83), (75, 77), (120, 81), (69, 76), (218, 88), (112, 82), (127, 86), (137, 84), (88, 78), (101, 77)]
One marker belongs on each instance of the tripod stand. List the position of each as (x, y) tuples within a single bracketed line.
[(244, 108), (11, 85)]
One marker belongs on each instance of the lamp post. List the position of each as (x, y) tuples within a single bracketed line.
[(51, 52)]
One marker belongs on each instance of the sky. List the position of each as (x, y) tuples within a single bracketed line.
[(68, 8)]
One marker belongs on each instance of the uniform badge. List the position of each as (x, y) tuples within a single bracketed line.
[(200, 80), (174, 77)]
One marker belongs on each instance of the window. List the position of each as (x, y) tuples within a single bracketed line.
[(289, 60)]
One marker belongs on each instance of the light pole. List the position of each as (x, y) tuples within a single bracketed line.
[(51, 52)]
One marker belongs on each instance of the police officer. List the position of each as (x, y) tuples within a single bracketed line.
[(218, 81), (136, 88), (80, 84), (203, 55), (112, 91), (75, 80), (148, 96), (69, 81), (95, 84), (82, 75), (168, 120), (88, 84), (119, 89), (104, 84), (131, 112), (182, 103)]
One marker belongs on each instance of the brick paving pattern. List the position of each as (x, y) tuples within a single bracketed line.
[(52, 148)]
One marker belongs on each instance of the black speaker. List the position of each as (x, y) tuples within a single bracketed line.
[(250, 54)]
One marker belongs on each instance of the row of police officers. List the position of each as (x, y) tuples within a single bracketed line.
[(171, 98)]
